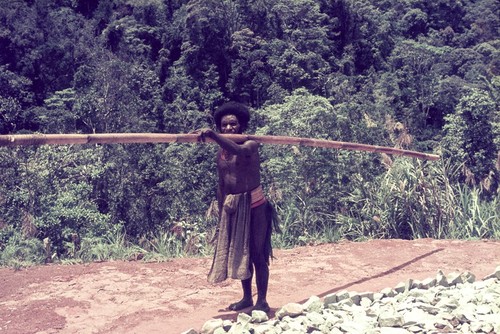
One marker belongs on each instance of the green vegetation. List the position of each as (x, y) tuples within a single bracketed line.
[(413, 74)]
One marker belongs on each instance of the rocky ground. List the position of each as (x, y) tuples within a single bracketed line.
[(453, 303), (174, 296)]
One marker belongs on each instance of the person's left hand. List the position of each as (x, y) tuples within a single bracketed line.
[(203, 134)]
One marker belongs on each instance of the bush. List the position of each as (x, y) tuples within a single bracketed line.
[(22, 252), (415, 199)]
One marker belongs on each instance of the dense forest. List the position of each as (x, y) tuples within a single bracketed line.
[(414, 74)]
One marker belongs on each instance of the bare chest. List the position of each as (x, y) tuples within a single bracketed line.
[(239, 173)]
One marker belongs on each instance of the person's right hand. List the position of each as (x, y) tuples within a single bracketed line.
[(204, 133)]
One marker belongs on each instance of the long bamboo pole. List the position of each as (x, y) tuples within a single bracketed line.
[(130, 138)]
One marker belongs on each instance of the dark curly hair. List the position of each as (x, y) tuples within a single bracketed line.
[(237, 109)]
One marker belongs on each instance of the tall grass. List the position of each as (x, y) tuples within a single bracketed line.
[(304, 223), (112, 247), (20, 251), (162, 245), (475, 218), (185, 239), (414, 199)]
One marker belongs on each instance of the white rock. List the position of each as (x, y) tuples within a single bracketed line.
[(428, 283), (447, 303), (331, 319), (345, 304), (465, 313), (475, 326), (478, 285), (468, 295), (390, 319), (467, 306), (342, 295), (414, 317), (291, 310), (417, 292), (483, 309), (427, 308), (441, 279), (265, 329), (496, 327), (330, 299), (495, 274), (446, 316), (312, 304), (443, 325), (369, 295), (296, 326), (210, 326), (409, 285), (454, 278), (365, 302), (355, 297), (400, 288), (242, 325), (415, 329), (392, 330), (243, 318), (353, 327), (416, 284), (492, 318), (316, 319), (334, 330), (259, 316), (388, 292), (227, 324), (487, 328), (465, 328), (190, 331), (220, 330)]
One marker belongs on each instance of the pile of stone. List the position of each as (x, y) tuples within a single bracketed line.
[(453, 303)]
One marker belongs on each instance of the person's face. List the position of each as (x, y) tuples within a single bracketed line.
[(230, 124)]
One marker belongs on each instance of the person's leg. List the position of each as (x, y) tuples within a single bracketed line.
[(246, 285), (262, 279), (259, 254), (247, 299)]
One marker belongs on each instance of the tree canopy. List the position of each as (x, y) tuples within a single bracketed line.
[(422, 75)]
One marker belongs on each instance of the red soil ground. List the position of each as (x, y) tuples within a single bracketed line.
[(173, 296)]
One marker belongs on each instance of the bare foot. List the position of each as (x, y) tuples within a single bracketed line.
[(261, 306), (244, 303)]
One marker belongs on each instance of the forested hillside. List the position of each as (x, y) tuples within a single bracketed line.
[(415, 74)]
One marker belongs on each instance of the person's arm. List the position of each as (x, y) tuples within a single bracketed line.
[(220, 190), (220, 199), (230, 146)]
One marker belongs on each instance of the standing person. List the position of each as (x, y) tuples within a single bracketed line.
[(245, 216)]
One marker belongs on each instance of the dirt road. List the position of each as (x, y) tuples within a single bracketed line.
[(171, 297)]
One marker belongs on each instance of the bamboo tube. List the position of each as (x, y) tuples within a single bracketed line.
[(129, 138)]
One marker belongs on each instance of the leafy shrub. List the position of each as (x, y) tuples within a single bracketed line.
[(470, 136), (415, 199), (113, 246), (21, 252)]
